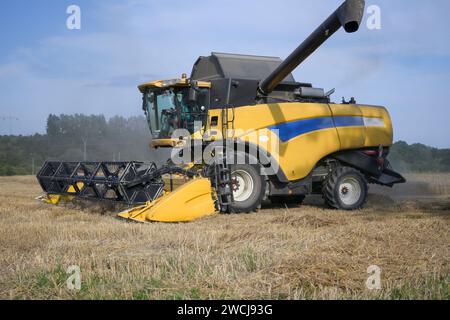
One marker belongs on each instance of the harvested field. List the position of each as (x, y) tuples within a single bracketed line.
[(304, 252)]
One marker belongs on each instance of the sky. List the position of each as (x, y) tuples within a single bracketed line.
[(46, 68)]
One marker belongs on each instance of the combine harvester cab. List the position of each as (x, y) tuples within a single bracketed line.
[(325, 148)]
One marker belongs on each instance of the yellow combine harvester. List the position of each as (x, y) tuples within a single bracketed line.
[(243, 131)]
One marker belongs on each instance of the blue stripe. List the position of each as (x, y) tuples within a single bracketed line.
[(290, 130)]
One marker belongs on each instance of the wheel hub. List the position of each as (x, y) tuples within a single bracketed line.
[(243, 185), (344, 190), (235, 184), (350, 191)]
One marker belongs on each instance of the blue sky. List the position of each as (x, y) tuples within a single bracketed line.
[(45, 68)]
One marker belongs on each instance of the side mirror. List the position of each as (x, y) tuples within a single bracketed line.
[(193, 92)]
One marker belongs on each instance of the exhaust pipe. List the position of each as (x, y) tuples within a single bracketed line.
[(348, 16)]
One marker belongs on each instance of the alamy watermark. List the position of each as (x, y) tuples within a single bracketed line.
[(374, 17), (73, 22), (74, 280), (374, 280), (234, 146)]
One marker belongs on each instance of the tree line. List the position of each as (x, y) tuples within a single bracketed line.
[(77, 138), (94, 138)]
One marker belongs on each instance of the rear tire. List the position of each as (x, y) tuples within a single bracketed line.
[(346, 189), (248, 188)]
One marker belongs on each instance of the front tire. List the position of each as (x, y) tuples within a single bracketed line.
[(346, 189), (248, 188)]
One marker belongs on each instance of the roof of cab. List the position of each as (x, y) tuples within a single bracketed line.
[(183, 82)]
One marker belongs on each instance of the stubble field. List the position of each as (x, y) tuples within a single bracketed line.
[(304, 252)]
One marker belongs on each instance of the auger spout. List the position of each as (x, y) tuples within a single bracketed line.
[(348, 16)]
